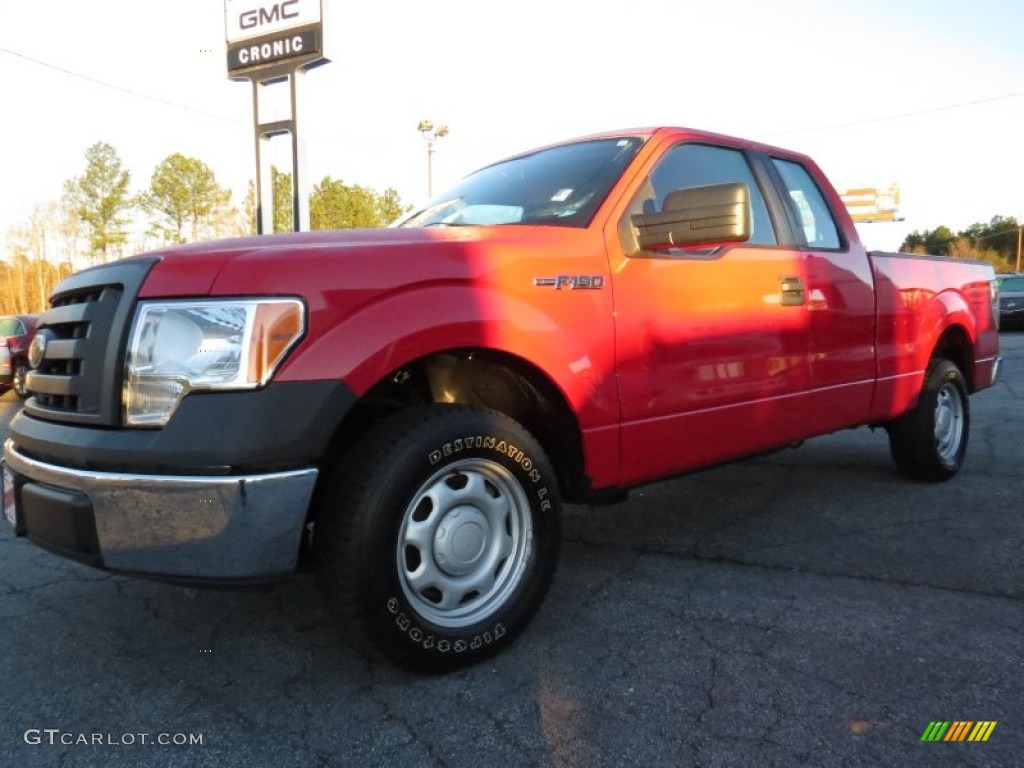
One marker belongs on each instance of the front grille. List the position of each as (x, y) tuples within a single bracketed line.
[(1011, 303), (79, 379), (77, 327)]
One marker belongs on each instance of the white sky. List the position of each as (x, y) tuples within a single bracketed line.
[(810, 75)]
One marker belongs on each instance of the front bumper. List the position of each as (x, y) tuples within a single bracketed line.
[(192, 528)]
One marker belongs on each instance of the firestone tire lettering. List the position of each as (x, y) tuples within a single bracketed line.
[(428, 641)]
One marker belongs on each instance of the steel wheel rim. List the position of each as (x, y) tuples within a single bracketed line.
[(19, 379), (949, 422), (464, 543)]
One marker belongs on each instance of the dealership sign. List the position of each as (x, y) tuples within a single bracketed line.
[(868, 204), (268, 33)]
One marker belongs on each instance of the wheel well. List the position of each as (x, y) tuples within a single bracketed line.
[(486, 378), (955, 345)]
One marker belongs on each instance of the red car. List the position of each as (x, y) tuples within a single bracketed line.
[(18, 330)]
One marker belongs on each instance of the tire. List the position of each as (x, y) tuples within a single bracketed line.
[(18, 380), (929, 441), (437, 536)]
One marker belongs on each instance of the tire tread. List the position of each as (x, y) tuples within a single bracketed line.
[(355, 484), (912, 435)]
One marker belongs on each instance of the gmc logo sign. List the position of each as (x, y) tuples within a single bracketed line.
[(261, 16)]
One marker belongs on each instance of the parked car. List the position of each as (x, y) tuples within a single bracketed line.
[(18, 331), (5, 366), (1011, 301)]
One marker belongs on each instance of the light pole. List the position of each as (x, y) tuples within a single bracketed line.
[(431, 133), (1020, 235)]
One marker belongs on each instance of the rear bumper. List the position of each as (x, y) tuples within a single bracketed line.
[(194, 528)]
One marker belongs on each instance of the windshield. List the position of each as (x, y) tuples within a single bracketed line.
[(561, 186), (1011, 285)]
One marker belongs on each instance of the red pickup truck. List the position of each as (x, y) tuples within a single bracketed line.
[(405, 410)]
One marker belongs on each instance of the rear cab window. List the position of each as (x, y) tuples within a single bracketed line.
[(808, 206)]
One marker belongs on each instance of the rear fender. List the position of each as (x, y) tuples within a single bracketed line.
[(947, 312), (946, 326)]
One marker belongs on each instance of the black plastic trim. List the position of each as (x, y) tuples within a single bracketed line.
[(788, 230), (285, 425), (95, 387), (61, 521)]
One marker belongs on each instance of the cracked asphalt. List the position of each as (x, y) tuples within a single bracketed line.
[(806, 608)]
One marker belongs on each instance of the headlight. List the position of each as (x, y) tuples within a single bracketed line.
[(180, 346)]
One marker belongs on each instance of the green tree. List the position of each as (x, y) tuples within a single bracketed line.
[(964, 248), (936, 242), (247, 219), (281, 186), (994, 242), (336, 205), (27, 275), (100, 199), (390, 206), (183, 190), (999, 235)]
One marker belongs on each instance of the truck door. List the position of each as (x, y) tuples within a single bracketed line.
[(840, 305), (711, 344)]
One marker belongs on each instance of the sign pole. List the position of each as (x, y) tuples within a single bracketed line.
[(258, 142), (297, 204)]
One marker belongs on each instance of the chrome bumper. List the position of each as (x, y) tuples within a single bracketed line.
[(203, 528)]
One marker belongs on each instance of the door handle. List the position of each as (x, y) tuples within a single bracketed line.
[(792, 291)]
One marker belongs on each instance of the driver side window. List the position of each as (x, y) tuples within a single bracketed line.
[(699, 165)]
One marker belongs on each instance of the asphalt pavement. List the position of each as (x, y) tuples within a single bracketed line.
[(806, 608)]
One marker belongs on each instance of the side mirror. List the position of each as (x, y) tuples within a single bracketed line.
[(712, 215)]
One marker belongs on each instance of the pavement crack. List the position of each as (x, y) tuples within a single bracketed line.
[(43, 585), (866, 578)]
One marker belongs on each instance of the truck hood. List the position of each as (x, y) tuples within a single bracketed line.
[(192, 270)]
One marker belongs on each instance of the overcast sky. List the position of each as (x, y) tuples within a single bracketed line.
[(929, 94)]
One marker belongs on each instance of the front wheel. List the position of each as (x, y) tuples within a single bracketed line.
[(437, 537), (929, 441)]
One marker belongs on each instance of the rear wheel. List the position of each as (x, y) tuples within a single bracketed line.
[(929, 441), (437, 537)]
